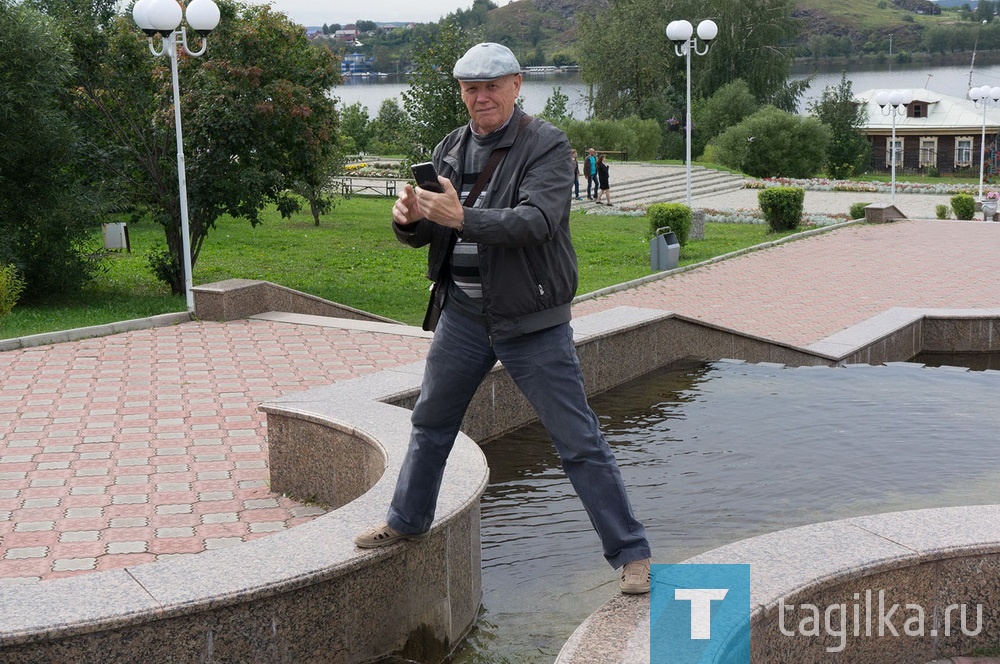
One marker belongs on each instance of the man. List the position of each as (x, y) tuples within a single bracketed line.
[(505, 273), (590, 170)]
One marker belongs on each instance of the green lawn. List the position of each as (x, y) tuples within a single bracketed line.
[(351, 258)]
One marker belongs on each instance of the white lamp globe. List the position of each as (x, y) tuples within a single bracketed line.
[(907, 97), (202, 16), (164, 15), (140, 15), (882, 98), (895, 98), (707, 30), (679, 31), (995, 94), (975, 94)]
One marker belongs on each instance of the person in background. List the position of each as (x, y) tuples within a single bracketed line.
[(603, 179), (590, 172), (576, 174), (505, 274)]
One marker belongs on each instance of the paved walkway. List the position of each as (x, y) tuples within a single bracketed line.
[(124, 449)]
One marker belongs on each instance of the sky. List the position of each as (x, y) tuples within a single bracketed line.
[(318, 12)]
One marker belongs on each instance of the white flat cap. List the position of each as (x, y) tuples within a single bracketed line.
[(485, 62)]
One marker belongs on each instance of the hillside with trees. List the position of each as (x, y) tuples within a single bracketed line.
[(546, 32)]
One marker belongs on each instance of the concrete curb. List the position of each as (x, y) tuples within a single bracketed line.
[(75, 334)]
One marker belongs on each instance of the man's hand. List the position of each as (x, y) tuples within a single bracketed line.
[(406, 209), (443, 209)]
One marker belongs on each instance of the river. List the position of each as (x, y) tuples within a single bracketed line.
[(952, 80)]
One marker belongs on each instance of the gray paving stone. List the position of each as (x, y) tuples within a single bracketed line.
[(80, 536)]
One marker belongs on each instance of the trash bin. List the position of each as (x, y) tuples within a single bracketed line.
[(116, 237), (664, 250)]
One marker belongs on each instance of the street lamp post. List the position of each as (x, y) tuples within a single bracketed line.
[(983, 94), (681, 34), (893, 103), (164, 17)]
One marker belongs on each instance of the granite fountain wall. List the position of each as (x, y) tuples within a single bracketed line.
[(307, 594)]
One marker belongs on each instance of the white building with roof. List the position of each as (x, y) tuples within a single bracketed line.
[(936, 131)]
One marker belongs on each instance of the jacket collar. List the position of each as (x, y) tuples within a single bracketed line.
[(454, 156)]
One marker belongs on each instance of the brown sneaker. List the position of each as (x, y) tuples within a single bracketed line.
[(384, 535), (635, 577)]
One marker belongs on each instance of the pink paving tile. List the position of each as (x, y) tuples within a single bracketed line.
[(144, 534), (25, 567), (122, 560), (160, 546), (175, 520), (77, 550)]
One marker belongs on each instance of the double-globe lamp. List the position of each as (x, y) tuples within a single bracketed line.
[(982, 95), (893, 103), (164, 17), (681, 34)]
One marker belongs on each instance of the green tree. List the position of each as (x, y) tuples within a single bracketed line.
[(365, 26), (938, 39), (626, 58), (256, 117), (46, 211), (389, 129), (633, 68), (555, 110), (354, 125), (563, 59), (848, 150), (754, 44), (433, 100), (727, 107), (774, 143)]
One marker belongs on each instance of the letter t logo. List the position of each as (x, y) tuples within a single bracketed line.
[(701, 608)]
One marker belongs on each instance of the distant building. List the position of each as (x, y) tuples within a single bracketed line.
[(936, 131), (356, 64), (348, 34)]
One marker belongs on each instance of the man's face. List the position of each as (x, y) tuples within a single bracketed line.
[(490, 103)]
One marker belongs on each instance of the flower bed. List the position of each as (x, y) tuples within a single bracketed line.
[(375, 170), (726, 216), (755, 216), (872, 186)]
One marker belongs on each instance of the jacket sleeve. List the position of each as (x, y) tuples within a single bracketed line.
[(415, 235), (530, 196)]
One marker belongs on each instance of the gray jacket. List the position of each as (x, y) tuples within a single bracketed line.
[(526, 259)]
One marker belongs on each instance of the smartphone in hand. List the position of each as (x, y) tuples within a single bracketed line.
[(426, 176)]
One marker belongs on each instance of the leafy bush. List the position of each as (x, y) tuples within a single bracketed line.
[(640, 137), (773, 143), (782, 207), (964, 206), (11, 285), (727, 107), (943, 211), (675, 215), (858, 210)]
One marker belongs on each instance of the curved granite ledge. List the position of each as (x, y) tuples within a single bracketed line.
[(305, 594), (931, 558)]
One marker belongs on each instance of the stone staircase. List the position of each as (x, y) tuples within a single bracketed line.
[(643, 184)]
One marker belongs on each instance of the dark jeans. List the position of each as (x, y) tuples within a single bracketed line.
[(545, 367)]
